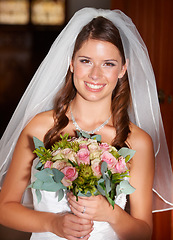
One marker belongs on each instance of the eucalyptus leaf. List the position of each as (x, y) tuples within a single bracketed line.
[(79, 134), (39, 165), (58, 175), (80, 194), (53, 186), (30, 185), (118, 190), (97, 137), (126, 152), (38, 194), (45, 175), (60, 195), (85, 135), (100, 189), (108, 185), (38, 143), (125, 187), (103, 167), (37, 184), (101, 180)]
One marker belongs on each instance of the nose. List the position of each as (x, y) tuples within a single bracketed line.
[(95, 73)]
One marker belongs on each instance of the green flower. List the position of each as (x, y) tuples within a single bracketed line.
[(85, 171), (80, 180)]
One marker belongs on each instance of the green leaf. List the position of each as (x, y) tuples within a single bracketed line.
[(30, 185), (38, 194), (100, 189), (53, 186), (110, 201), (37, 184), (43, 153), (101, 180), (80, 194), (85, 135), (108, 184), (58, 175), (39, 165), (97, 137), (126, 152), (118, 189), (45, 175), (38, 143), (103, 167), (125, 187), (115, 154), (60, 195), (79, 134)]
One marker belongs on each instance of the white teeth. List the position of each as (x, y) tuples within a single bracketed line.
[(93, 86)]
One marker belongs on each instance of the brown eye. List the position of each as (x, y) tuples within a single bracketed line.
[(109, 64), (84, 61)]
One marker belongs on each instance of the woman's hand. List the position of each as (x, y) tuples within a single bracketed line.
[(94, 208), (71, 227)]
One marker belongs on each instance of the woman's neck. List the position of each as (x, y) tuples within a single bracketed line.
[(90, 113)]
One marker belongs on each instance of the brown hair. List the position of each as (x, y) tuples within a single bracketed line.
[(100, 29)]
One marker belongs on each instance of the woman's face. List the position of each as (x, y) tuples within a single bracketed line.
[(97, 65)]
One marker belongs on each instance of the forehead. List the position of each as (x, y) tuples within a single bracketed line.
[(95, 47)]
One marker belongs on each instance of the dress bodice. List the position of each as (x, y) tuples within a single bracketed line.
[(49, 203)]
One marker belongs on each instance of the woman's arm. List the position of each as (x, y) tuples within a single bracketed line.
[(137, 225), (16, 216)]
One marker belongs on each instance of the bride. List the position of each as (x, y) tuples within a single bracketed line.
[(105, 84)]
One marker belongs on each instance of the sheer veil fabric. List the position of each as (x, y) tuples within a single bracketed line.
[(145, 111)]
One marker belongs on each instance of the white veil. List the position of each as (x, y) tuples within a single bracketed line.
[(50, 76)]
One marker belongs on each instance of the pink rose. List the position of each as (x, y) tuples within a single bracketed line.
[(104, 146), (120, 167), (82, 145), (70, 175), (48, 164), (96, 167), (83, 156), (59, 164), (109, 158)]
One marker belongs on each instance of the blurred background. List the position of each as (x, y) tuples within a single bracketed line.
[(28, 29)]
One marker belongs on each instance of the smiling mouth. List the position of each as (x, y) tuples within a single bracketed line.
[(94, 86)]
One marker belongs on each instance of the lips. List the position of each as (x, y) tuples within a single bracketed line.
[(94, 86)]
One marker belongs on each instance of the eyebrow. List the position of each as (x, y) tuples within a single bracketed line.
[(107, 60)]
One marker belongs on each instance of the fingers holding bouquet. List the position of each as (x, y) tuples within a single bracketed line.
[(72, 227), (94, 208)]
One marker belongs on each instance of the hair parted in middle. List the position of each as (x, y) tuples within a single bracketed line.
[(101, 29)]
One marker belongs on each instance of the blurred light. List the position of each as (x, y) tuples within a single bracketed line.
[(14, 11), (48, 12)]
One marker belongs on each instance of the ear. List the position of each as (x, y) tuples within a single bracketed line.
[(71, 66), (123, 70)]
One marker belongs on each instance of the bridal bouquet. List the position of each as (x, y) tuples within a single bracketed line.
[(83, 165)]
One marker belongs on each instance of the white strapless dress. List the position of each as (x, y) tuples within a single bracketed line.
[(49, 203)]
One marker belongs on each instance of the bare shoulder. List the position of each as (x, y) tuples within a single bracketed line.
[(139, 140), (40, 124)]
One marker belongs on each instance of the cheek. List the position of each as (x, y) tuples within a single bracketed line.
[(79, 71), (113, 77)]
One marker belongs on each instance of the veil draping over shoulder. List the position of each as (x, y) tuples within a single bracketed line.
[(145, 112)]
